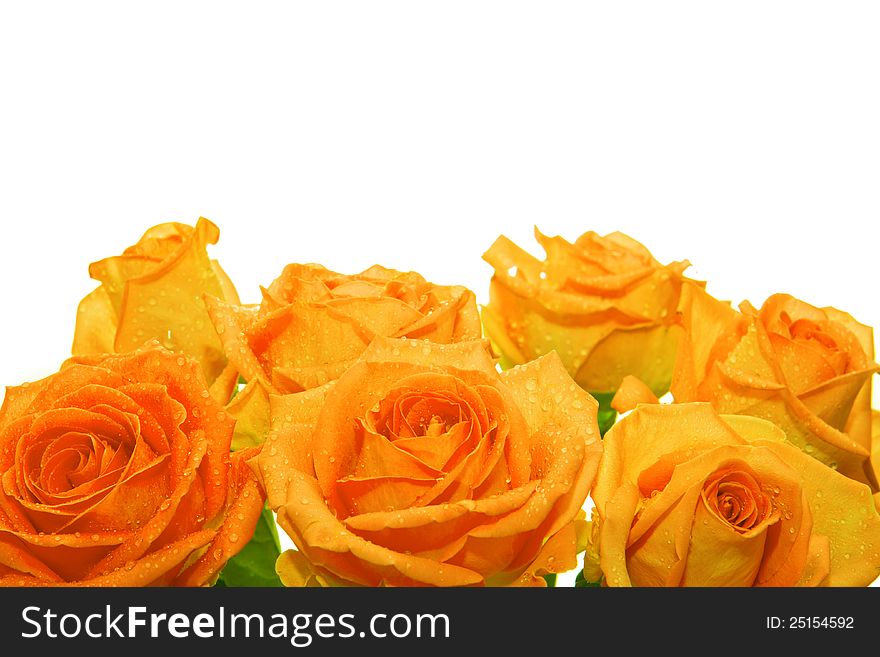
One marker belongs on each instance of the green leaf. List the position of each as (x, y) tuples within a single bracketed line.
[(607, 415), (550, 578), (581, 583), (255, 564)]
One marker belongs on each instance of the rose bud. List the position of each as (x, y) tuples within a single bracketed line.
[(153, 291), (604, 304)]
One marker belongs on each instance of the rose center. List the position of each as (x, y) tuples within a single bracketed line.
[(735, 497), (815, 336), (436, 427)]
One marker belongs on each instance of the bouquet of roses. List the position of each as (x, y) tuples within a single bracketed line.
[(402, 436)]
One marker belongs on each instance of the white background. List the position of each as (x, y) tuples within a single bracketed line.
[(744, 137)]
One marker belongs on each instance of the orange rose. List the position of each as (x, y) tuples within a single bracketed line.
[(603, 304), (807, 370), (116, 471), (154, 291), (687, 497), (314, 323), (421, 465)]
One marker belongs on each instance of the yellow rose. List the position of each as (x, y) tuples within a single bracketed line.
[(422, 466), (808, 370), (602, 303), (153, 291), (687, 497)]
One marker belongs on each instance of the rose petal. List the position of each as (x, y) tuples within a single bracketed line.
[(818, 564), (297, 379), (385, 316), (622, 352), (224, 384), (659, 554), (95, 328), (844, 511), (153, 567), (833, 402), (115, 271), (436, 451), (617, 513), (453, 319), (232, 324), (303, 282), (711, 331), (251, 411), (285, 338), (379, 457), (18, 557), (41, 395), (388, 493), (237, 528), (632, 392), (294, 570), (326, 543), (460, 356), (558, 555)]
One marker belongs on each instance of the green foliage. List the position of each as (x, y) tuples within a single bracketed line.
[(607, 415), (581, 583), (255, 564)]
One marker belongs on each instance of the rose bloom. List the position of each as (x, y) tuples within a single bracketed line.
[(602, 303), (116, 471), (421, 465), (806, 369), (687, 497), (313, 323), (154, 291)]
